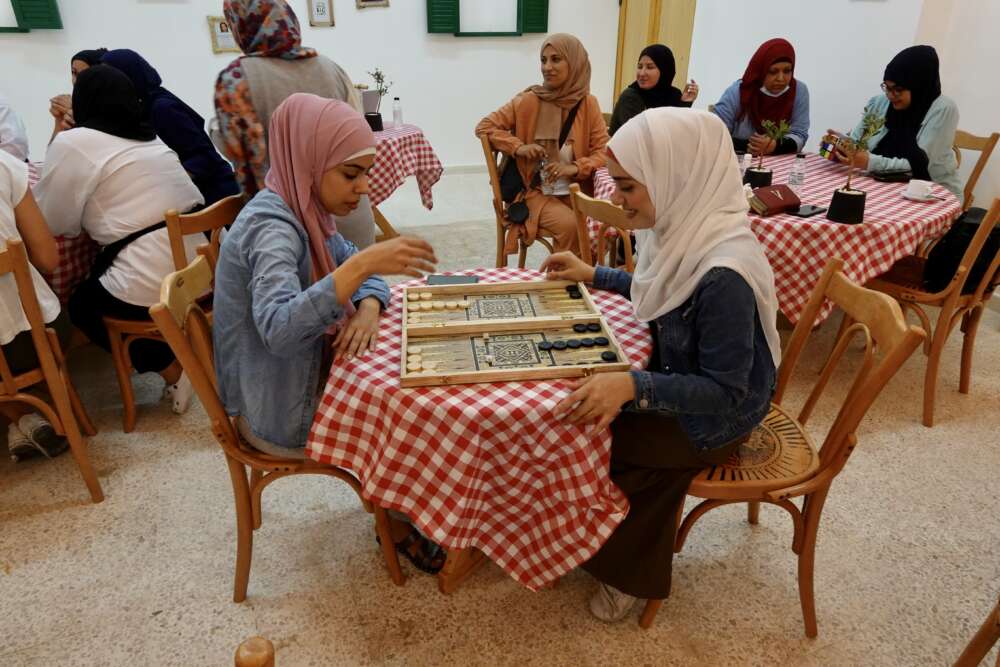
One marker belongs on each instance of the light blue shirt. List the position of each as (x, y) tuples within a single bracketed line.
[(269, 321), (936, 137), (728, 109)]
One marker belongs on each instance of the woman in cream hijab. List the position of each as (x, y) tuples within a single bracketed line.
[(528, 128), (703, 283)]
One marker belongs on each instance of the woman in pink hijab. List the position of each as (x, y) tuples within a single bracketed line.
[(289, 289)]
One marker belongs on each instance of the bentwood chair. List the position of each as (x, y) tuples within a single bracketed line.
[(984, 640), (385, 229), (904, 282), (187, 328), (610, 216), (68, 416), (494, 160), (122, 333), (780, 461), (985, 146)]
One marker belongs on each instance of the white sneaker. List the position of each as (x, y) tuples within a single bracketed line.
[(180, 394), (34, 435), (610, 604)]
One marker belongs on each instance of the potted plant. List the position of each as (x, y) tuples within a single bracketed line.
[(372, 99), (848, 204), (759, 177)]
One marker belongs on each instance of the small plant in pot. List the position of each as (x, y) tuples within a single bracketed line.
[(758, 176), (848, 204), (372, 99)]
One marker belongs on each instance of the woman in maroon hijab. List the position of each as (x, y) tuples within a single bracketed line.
[(767, 91)]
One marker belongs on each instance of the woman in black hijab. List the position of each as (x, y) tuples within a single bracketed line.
[(105, 100), (653, 87), (60, 106), (920, 122)]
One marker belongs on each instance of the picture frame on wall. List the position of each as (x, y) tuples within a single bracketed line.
[(320, 13), (364, 4), (223, 40)]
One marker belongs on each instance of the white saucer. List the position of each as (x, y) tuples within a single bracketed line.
[(922, 200)]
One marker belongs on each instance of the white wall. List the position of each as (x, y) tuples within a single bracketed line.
[(964, 33), (446, 84), (841, 73)]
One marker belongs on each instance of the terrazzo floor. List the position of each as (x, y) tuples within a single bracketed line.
[(907, 561)]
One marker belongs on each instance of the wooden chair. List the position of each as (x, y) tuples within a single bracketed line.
[(385, 230), (255, 652), (607, 119), (780, 460), (122, 333), (904, 282), (493, 159), (608, 215), (68, 415), (970, 142), (188, 331), (984, 640)]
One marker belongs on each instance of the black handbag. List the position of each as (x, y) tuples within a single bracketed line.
[(946, 255), (511, 183)]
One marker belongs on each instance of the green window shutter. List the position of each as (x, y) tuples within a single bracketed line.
[(38, 14), (442, 16), (534, 15)]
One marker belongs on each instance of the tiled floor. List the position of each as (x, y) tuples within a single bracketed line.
[(907, 564)]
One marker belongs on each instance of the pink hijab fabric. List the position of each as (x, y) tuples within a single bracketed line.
[(309, 135)]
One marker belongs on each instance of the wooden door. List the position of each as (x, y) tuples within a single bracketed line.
[(645, 22)]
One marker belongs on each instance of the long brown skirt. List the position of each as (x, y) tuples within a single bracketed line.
[(652, 462)]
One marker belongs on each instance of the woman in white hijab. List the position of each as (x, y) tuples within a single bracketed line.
[(704, 285)]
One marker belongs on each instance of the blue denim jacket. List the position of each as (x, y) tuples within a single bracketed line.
[(711, 367), (269, 322)]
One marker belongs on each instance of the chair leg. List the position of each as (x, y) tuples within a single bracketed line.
[(501, 255), (753, 512), (984, 640), (649, 613), (76, 443), (931, 374), (522, 255), (255, 477), (813, 508), (388, 548), (123, 369), (968, 345), (244, 529)]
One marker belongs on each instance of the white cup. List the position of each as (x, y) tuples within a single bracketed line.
[(918, 189)]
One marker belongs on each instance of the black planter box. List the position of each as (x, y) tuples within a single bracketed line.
[(847, 206)]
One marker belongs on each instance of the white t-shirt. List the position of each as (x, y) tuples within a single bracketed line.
[(111, 187), (13, 137), (13, 186)]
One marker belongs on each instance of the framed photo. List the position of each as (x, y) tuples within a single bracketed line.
[(320, 12), (223, 40), (363, 4)]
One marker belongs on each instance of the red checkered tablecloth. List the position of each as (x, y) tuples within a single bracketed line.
[(483, 465), (403, 151), (799, 248), (76, 254)]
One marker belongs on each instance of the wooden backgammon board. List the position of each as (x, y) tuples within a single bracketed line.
[(498, 332)]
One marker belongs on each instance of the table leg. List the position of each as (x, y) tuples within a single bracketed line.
[(459, 565)]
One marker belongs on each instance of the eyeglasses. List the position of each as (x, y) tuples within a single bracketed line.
[(893, 90)]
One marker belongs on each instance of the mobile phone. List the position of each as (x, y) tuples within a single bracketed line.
[(807, 211), (438, 279)]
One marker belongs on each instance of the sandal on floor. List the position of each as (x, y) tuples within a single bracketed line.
[(428, 556)]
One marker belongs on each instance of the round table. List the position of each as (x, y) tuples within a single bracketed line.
[(799, 248), (483, 465)]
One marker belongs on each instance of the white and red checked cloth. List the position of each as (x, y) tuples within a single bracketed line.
[(76, 254), (479, 465), (403, 151), (799, 248)]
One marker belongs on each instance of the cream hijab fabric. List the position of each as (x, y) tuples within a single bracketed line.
[(685, 159)]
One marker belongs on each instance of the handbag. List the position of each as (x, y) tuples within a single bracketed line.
[(946, 255), (511, 183), (774, 199)]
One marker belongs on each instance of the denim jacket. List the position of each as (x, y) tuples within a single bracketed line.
[(711, 366), (269, 321)]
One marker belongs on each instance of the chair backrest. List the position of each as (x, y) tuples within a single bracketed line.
[(607, 119), (188, 331), (14, 260), (985, 146), (604, 212), (212, 219), (889, 342), (493, 159)]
